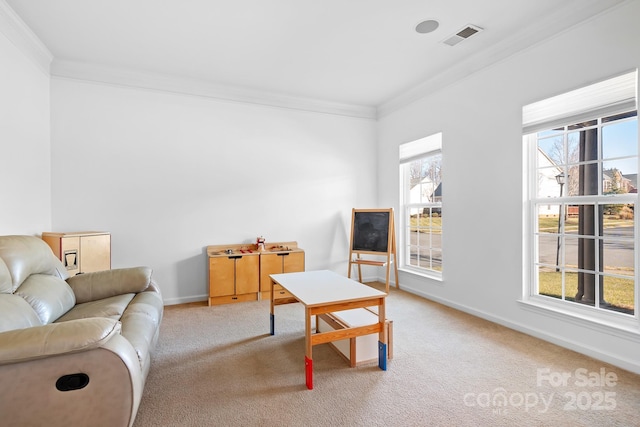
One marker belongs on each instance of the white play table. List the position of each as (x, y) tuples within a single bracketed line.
[(325, 292)]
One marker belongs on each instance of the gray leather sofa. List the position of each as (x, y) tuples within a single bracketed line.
[(74, 351)]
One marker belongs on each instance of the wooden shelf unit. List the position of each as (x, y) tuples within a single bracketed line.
[(81, 252)]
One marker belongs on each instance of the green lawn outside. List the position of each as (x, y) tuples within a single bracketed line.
[(550, 224), (617, 292), (426, 223)]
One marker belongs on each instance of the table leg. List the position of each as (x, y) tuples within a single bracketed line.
[(272, 316), (308, 358), (382, 337)]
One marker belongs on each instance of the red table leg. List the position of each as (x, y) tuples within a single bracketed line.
[(308, 368)]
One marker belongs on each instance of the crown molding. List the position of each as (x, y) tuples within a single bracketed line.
[(168, 83), (18, 33), (564, 19)]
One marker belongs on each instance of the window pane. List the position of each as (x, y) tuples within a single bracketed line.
[(581, 219), (570, 215), (570, 285), (573, 147), (570, 245), (548, 218), (618, 220), (414, 255), (618, 257), (436, 260), (553, 150), (549, 282), (619, 294), (547, 249), (585, 181), (547, 183), (584, 286), (425, 177), (620, 140), (417, 221), (572, 181), (619, 176)]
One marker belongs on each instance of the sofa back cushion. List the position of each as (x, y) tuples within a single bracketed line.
[(27, 255), (49, 296), (16, 313)]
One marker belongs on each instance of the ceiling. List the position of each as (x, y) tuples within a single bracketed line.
[(352, 52)]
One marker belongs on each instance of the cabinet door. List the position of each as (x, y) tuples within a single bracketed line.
[(247, 274), (95, 253), (293, 262), (70, 254), (269, 264), (221, 276)]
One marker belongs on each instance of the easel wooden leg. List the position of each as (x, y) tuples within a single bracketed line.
[(388, 273)]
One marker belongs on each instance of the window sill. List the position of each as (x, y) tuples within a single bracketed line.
[(418, 273), (608, 323)]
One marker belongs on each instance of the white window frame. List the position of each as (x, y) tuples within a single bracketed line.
[(606, 98), (409, 152)]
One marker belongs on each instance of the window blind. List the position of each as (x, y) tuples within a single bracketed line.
[(612, 96)]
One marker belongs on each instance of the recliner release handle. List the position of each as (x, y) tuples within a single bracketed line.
[(72, 382)]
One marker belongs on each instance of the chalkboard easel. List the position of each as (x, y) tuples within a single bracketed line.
[(373, 233)]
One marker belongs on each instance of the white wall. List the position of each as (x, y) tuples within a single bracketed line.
[(169, 174), (25, 164), (480, 118)]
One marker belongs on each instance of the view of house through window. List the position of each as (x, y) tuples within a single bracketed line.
[(584, 189), (421, 202)]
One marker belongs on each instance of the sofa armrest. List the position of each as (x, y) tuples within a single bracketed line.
[(104, 284), (39, 342), (108, 395)]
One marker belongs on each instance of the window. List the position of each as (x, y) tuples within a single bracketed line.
[(421, 205), (583, 180)]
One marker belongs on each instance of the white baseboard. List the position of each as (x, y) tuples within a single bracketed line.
[(185, 300)]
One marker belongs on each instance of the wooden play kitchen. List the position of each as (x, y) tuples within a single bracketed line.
[(240, 272)]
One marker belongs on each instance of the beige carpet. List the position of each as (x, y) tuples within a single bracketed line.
[(218, 366)]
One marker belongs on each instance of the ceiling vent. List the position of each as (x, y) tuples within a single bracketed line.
[(463, 34)]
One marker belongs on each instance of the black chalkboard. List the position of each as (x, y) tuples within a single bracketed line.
[(370, 230)]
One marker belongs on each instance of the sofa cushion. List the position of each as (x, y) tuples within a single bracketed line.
[(5, 279), (27, 255), (55, 339), (50, 296), (16, 313), (108, 307)]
